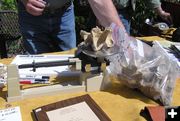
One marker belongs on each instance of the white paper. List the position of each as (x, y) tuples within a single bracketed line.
[(77, 112), (11, 114), (48, 71)]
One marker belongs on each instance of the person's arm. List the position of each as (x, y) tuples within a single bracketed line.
[(34, 7), (164, 15), (156, 5), (105, 12)]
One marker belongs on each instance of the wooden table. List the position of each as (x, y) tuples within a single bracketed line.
[(119, 102)]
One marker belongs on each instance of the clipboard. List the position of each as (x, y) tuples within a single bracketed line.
[(41, 112)]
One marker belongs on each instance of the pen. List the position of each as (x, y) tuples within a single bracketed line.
[(31, 56), (33, 77), (34, 81)]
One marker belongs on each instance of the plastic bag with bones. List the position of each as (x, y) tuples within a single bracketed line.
[(143, 67)]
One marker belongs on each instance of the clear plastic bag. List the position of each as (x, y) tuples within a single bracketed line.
[(140, 66)]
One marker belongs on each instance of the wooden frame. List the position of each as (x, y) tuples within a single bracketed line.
[(40, 113)]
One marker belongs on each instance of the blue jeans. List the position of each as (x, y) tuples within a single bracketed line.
[(125, 18), (48, 32)]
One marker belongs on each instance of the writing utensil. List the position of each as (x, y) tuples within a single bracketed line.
[(25, 82), (31, 56), (33, 77), (34, 81)]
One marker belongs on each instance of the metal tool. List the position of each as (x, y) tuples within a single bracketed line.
[(104, 52)]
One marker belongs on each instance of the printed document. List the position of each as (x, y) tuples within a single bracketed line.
[(77, 112), (11, 114)]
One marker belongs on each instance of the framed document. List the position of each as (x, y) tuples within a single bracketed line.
[(82, 108)]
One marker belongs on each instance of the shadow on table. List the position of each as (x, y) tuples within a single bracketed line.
[(3, 94), (118, 88)]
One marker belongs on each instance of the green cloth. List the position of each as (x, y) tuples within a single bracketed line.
[(125, 3), (121, 3), (154, 3)]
